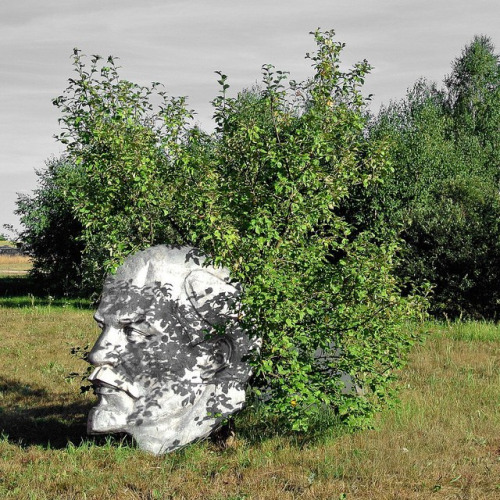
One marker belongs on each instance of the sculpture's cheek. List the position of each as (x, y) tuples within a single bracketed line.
[(172, 400)]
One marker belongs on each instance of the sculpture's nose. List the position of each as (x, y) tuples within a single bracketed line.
[(107, 348)]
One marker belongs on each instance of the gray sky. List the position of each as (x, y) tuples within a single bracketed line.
[(182, 42)]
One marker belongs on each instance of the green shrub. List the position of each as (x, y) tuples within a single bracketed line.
[(266, 195), (51, 230)]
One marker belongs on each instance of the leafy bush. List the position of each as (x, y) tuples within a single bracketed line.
[(318, 289), (51, 230), (125, 150), (267, 195)]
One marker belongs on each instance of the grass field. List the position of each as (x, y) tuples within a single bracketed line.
[(14, 264), (441, 442)]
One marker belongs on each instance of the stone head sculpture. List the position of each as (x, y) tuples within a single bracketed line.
[(170, 361)]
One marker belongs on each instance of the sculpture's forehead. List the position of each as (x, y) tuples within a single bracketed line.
[(148, 274), (157, 281), (123, 301), (159, 264)]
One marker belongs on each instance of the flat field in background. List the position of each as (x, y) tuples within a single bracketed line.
[(14, 264), (441, 442)]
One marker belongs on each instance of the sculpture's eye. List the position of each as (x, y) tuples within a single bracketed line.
[(134, 334)]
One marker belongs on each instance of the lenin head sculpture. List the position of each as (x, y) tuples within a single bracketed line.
[(170, 361)]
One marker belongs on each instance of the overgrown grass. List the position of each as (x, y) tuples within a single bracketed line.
[(442, 441)]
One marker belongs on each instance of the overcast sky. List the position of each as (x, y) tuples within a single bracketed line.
[(182, 42)]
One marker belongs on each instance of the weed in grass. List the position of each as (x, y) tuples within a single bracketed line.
[(53, 367)]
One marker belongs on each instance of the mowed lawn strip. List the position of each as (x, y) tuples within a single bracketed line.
[(442, 441)]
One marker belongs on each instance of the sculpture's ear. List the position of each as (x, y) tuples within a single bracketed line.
[(218, 357), (212, 298)]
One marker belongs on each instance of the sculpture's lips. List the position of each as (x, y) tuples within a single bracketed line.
[(107, 381)]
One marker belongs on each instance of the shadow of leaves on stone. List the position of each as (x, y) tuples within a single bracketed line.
[(170, 363)]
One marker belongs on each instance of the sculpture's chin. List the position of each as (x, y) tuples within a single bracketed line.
[(171, 434), (103, 420), (110, 414)]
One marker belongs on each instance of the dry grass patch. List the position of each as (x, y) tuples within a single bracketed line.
[(441, 442), (14, 264)]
